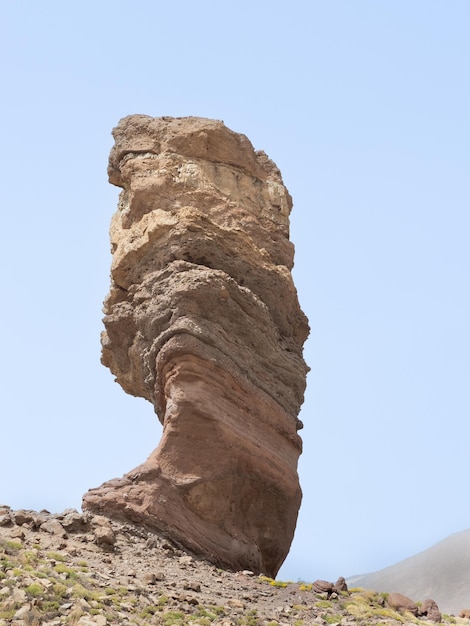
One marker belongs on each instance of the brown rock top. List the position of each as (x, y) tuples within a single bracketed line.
[(202, 319)]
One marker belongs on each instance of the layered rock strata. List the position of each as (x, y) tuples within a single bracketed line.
[(202, 319)]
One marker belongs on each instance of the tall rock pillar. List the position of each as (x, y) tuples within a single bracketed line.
[(202, 319)]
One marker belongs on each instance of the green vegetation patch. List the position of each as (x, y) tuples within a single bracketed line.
[(7, 613), (210, 613), (332, 619), (272, 582), (10, 547), (29, 557), (49, 608), (265, 579), (60, 568), (56, 556), (59, 589), (148, 611), (250, 619), (323, 604), (79, 591), (170, 618), (35, 590)]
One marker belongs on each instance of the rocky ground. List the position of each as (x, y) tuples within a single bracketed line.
[(83, 569)]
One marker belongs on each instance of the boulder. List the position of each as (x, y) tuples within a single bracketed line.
[(203, 320), (54, 527), (323, 586), (341, 585), (73, 521), (430, 611), (26, 517), (399, 602), (6, 516), (103, 531)]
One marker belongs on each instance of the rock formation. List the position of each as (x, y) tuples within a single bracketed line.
[(203, 320)]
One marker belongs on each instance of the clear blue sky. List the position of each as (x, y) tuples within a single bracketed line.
[(364, 105)]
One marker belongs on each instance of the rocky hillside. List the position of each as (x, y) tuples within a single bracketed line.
[(85, 569)]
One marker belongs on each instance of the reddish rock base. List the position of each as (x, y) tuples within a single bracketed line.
[(211, 485)]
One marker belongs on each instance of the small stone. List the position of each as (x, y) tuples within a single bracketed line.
[(186, 560), (235, 604), (17, 533), (23, 612), (99, 520), (18, 596), (86, 620), (152, 542), (44, 583), (83, 604), (148, 578)]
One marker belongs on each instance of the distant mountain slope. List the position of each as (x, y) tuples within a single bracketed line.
[(442, 573)]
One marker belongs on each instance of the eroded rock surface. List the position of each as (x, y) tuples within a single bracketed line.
[(203, 320)]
